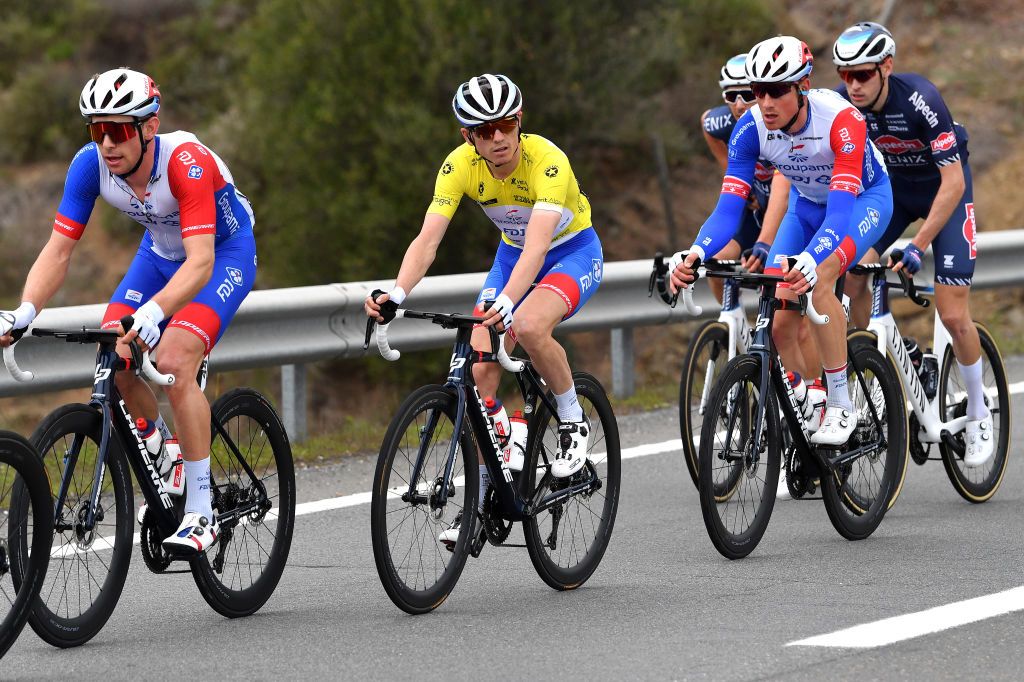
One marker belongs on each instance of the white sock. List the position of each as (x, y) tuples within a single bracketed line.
[(838, 391), (161, 426), (485, 483), (976, 408), (569, 409), (197, 488)]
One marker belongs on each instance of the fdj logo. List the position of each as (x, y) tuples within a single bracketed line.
[(195, 172), (234, 279), (597, 267)]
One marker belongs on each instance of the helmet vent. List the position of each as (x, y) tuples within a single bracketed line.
[(124, 100), (120, 81)]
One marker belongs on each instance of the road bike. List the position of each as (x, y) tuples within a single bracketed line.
[(23, 554), (87, 450), (742, 439), (427, 477), (939, 416)]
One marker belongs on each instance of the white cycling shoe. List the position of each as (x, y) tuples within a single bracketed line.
[(450, 535), (571, 455), (836, 428), (980, 442), (194, 536)]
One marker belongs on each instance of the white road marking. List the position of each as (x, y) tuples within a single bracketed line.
[(911, 625)]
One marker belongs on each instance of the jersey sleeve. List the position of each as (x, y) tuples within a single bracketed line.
[(937, 123), (81, 187), (193, 177), (848, 139), (550, 179), (450, 184), (724, 221)]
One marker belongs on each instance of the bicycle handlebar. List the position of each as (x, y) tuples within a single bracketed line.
[(450, 321), (908, 281), (140, 358)]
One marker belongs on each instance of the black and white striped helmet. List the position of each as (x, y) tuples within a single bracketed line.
[(120, 91), (734, 72), (863, 43), (486, 98), (782, 59)]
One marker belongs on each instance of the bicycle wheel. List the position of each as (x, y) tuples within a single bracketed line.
[(862, 336), (417, 571), (857, 492), (87, 569), (26, 521), (705, 358), (567, 541), (976, 484), (237, 576), (736, 522)]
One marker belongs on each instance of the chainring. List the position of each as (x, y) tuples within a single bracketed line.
[(918, 450), (157, 560), (496, 528)]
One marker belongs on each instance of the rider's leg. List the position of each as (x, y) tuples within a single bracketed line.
[(180, 353), (860, 297), (831, 337)]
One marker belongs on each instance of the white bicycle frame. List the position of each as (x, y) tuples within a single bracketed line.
[(884, 327)]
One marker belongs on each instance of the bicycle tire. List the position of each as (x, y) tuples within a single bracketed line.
[(854, 512), (27, 510), (250, 420), (402, 440), (866, 337), (51, 439), (983, 487), (714, 336), (742, 375), (558, 568)]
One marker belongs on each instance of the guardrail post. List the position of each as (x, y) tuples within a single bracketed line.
[(293, 401), (623, 376)]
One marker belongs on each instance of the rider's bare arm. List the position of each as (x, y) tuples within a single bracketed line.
[(48, 272), (951, 190), (191, 277), (422, 251)]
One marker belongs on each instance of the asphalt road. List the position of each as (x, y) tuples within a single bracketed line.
[(663, 604)]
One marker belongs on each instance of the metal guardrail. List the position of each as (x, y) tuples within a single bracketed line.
[(294, 326)]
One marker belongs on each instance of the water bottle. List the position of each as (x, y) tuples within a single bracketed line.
[(499, 417), (814, 407), (930, 374), (799, 387), (174, 478), (515, 453), (153, 439), (914, 351)]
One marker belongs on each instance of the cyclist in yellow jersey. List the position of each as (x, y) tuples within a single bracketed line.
[(525, 185)]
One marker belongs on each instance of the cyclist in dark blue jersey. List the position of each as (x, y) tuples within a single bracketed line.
[(926, 154)]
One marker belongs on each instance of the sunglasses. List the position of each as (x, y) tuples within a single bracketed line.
[(861, 76), (773, 90), (731, 96), (119, 131), (486, 131)]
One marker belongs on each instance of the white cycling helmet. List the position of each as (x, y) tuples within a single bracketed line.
[(120, 91), (782, 59), (734, 72), (863, 43), (486, 98)]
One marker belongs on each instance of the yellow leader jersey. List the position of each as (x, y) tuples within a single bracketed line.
[(542, 180)]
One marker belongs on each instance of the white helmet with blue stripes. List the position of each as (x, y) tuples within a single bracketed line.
[(863, 43)]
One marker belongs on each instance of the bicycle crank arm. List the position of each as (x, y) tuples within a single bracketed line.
[(856, 453)]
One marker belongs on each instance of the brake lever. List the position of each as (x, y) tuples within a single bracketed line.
[(909, 288)]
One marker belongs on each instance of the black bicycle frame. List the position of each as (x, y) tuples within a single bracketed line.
[(512, 496), (119, 421)]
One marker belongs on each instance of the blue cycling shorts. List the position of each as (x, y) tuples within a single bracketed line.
[(572, 270), (209, 313)]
